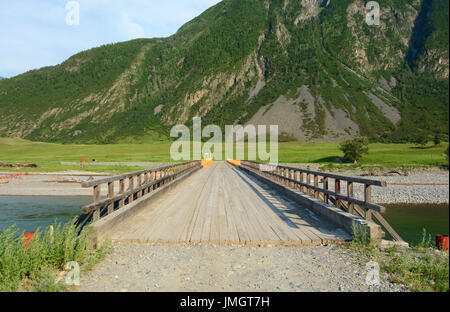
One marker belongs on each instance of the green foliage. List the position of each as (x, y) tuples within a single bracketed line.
[(354, 149), (422, 138), (419, 268), (35, 267), (98, 97)]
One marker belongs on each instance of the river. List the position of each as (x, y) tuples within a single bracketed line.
[(31, 212), (409, 220)]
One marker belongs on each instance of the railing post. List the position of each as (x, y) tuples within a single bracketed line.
[(308, 181), (96, 214), (351, 205), (368, 199), (139, 182), (302, 180), (111, 195), (316, 184), (325, 186), (297, 178), (121, 191), (337, 190), (131, 188)]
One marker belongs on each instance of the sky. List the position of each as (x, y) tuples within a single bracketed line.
[(37, 33)]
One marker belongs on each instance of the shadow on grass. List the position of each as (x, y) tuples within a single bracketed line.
[(422, 147), (331, 159)]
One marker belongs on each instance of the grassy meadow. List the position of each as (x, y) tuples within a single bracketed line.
[(48, 156)]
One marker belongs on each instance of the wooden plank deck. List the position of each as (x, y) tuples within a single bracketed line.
[(223, 205)]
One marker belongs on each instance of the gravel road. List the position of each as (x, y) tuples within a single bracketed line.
[(179, 268)]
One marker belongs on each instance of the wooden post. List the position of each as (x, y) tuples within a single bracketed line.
[(96, 215), (302, 180), (111, 195), (121, 190), (297, 178), (140, 184), (316, 184), (51, 230), (325, 186), (308, 181), (337, 190), (351, 205), (368, 199), (131, 188)]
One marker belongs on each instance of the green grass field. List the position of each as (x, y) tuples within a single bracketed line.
[(49, 155)]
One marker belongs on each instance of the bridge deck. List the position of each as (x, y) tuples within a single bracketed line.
[(224, 205)]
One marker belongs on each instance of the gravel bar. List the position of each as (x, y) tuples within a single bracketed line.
[(418, 187)]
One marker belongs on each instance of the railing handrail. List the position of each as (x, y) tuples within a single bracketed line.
[(316, 190), (146, 182), (294, 177), (124, 176), (327, 175), (95, 205)]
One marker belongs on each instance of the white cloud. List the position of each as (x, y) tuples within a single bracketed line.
[(130, 28), (34, 33)]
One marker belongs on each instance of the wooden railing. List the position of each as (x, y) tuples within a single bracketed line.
[(308, 182), (139, 183)]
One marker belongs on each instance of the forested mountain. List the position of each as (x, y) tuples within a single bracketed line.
[(314, 67)]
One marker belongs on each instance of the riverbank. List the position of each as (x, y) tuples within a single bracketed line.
[(429, 186), (412, 186), (46, 185)]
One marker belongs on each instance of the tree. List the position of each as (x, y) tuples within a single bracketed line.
[(422, 139), (355, 149), (437, 139)]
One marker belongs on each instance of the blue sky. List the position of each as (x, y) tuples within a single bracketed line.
[(34, 33)]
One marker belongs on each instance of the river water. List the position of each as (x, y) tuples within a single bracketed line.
[(409, 220), (31, 212)]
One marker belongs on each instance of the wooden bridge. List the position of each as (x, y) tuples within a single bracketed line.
[(233, 202)]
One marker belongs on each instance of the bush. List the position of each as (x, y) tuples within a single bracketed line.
[(421, 139), (355, 149), (35, 267)]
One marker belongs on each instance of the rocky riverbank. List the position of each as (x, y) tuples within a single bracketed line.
[(412, 187)]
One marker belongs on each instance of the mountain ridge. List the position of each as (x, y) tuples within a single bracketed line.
[(312, 67)]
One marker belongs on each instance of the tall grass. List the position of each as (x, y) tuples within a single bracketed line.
[(421, 268), (35, 267)]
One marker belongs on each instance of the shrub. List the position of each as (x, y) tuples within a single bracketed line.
[(36, 266), (355, 149)]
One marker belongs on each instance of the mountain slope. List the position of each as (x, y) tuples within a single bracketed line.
[(314, 67)]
